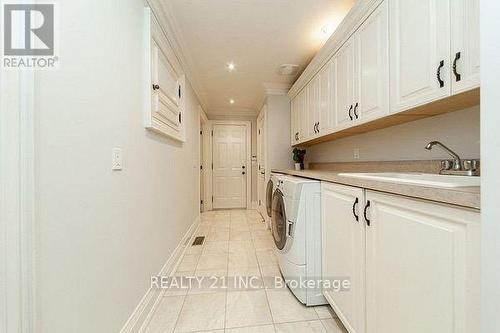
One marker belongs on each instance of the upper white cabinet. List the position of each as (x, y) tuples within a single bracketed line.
[(390, 56), (420, 52), (413, 265), (164, 83), (371, 74), (464, 45), (345, 84)]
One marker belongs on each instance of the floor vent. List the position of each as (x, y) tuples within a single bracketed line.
[(198, 240)]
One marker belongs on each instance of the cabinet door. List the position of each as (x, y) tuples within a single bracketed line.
[(372, 66), (327, 97), (304, 115), (422, 272), (345, 85), (343, 252), (313, 89), (419, 50), (465, 44), (294, 133)]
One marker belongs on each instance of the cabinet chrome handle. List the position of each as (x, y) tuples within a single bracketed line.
[(318, 127), (350, 110), (297, 136), (365, 212), (354, 209), (458, 77), (438, 74), (243, 172), (355, 111), (156, 86)]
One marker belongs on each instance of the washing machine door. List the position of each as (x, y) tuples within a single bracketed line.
[(279, 220), (269, 197)]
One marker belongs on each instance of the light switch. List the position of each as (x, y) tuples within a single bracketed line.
[(117, 159)]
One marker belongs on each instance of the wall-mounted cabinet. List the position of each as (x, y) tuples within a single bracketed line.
[(164, 83), (403, 256), (434, 54)]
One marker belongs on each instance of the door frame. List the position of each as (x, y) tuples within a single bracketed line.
[(18, 249), (203, 124), (209, 174)]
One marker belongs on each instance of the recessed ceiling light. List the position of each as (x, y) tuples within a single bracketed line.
[(231, 66), (231, 101)]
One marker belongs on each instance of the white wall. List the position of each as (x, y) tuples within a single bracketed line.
[(253, 120), (490, 150), (458, 130), (101, 234)]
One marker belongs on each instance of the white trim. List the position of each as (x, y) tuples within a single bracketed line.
[(17, 249), (248, 125), (354, 19), (141, 316), (255, 205), (276, 88)]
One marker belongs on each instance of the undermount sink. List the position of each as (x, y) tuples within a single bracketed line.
[(423, 179)]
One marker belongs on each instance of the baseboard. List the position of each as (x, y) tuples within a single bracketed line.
[(254, 205), (139, 319)]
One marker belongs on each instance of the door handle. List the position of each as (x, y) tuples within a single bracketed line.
[(458, 77), (290, 229), (350, 110), (354, 209), (438, 74), (368, 222)]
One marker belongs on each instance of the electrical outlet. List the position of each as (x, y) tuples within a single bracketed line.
[(356, 154), (117, 163)]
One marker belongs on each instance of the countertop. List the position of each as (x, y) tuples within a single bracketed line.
[(469, 197)]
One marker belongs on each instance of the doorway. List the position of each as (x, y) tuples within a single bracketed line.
[(231, 165)]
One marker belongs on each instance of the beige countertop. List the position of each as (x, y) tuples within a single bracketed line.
[(461, 196)]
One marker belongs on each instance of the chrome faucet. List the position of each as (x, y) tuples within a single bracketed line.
[(457, 166)]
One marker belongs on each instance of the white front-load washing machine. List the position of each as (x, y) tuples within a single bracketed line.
[(296, 229), (271, 187)]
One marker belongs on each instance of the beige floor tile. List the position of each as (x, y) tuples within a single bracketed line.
[(218, 235), (181, 285), (241, 246), (240, 235), (260, 233), (252, 329), (272, 278), (286, 308), (334, 326), (267, 257), (247, 308), (165, 315), (324, 312), (188, 263), (202, 312), (217, 247), (242, 259), (244, 278), (212, 262), (210, 281), (264, 243), (194, 249), (302, 327), (259, 226), (240, 227)]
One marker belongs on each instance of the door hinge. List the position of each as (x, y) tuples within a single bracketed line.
[(212, 198), (201, 202), (259, 131), (201, 133), (201, 167), (212, 133), (212, 166), (180, 92)]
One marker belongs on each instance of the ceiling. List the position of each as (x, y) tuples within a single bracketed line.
[(257, 36)]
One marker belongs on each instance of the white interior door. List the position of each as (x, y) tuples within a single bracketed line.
[(230, 170)]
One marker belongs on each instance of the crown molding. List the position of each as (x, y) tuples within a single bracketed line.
[(228, 112), (170, 27), (353, 20)]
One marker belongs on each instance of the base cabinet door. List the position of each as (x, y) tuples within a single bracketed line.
[(343, 255), (464, 45), (422, 269), (419, 52)]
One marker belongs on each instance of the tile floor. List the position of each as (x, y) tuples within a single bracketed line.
[(237, 244)]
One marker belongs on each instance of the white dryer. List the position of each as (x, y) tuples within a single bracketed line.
[(296, 228), (271, 187)]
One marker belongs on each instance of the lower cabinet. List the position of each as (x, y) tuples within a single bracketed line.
[(413, 265)]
